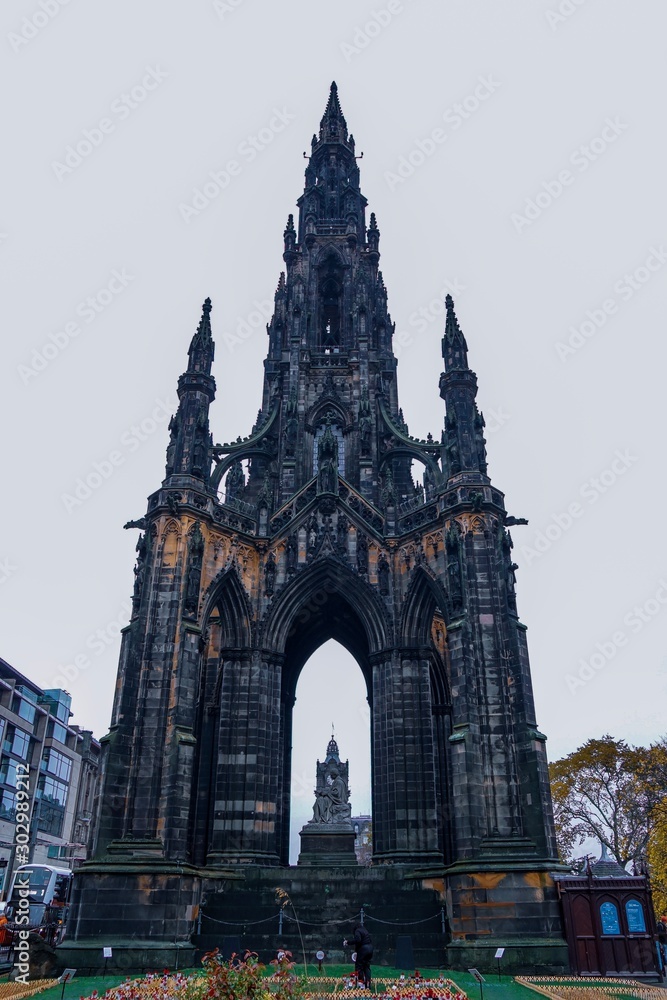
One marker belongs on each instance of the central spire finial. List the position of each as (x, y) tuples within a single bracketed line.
[(333, 125)]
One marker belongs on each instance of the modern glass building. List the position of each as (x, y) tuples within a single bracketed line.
[(35, 730)]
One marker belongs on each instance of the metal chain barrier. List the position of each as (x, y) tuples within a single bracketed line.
[(240, 923), (322, 923), (402, 923)]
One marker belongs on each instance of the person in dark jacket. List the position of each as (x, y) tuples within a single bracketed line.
[(363, 946), (662, 942)]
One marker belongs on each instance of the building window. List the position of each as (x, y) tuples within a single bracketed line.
[(51, 816), (56, 763), (63, 712), (17, 742), (7, 805), (25, 710), (8, 771), (57, 731), (52, 797), (59, 703), (54, 791)]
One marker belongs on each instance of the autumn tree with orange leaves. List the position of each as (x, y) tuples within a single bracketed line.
[(616, 794)]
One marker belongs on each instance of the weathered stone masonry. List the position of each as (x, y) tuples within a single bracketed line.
[(254, 552)]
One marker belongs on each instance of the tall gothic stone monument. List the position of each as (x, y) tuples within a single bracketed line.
[(255, 552)]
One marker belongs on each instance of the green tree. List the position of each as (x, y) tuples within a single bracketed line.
[(657, 858), (610, 791)]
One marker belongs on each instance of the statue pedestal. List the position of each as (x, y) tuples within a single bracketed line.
[(327, 844)]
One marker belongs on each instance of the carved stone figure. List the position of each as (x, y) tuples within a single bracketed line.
[(365, 425), (362, 554), (383, 576), (291, 423), (509, 568), (453, 451), (269, 575), (139, 572), (327, 461), (477, 500), (332, 792), (342, 528), (235, 482), (174, 427), (140, 523), (265, 495), (173, 500), (388, 490), (195, 556), (480, 442), (312, 534), (331, 800), (202, 447), (292, 554)]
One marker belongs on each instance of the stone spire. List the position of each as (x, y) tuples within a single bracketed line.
[(332, 196), (454, 347), (464, 445), (202, 349), (333, 126), (189, 449), (330, 335)]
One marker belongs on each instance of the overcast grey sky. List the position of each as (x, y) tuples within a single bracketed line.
[(514, 153)]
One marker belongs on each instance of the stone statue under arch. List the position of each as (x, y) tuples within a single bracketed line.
[(328, 838)]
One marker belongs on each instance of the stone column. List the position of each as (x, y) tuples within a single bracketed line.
[(249, 785), (178, 773), (404, 802)]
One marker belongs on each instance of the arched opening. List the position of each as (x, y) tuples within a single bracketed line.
[(337, 432), (227, 629), (327, 602), (235, 482), (330, 691), (424, 624), (330, 292), (414, 477)]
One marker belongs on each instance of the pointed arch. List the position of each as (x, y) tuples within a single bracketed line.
[(327, 601), (226, 595), (423, 597), (318, 411), (243, 454), (172, 527), (407, 451), (329, 250)]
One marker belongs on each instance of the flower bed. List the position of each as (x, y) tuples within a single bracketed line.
[(600, 988), (245, 979), (16, 991)]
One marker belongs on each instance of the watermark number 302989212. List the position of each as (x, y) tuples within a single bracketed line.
[(22, 886)]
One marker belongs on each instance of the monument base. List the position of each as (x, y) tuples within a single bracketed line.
[(327, 846), (141, 905), (451, 922), (156, 915)]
